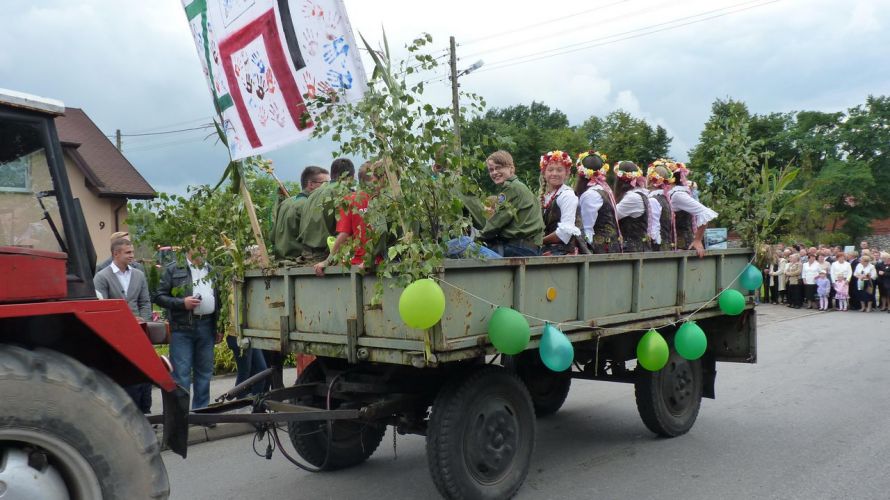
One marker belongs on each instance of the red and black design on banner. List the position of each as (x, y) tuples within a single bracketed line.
[(264, 26)]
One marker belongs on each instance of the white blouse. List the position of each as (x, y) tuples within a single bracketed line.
[(839, 269), (868, 270), (591, 201), (568, 207), (632, 206), (682, 201), (810, 272)]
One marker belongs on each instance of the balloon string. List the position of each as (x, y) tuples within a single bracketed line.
[(584, 323)]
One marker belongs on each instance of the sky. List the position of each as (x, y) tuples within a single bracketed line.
[(132, 64)]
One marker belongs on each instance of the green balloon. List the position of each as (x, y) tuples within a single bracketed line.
[(731, 302), (422, 304), (508, 331), (556, 349), (652, 351), (690, 341), (751, 278)]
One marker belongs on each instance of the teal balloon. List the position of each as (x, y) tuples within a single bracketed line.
[(556, 350), (422, 304), (690, 341), (751, 278), (652, 351), (508, 331), (731, 302)]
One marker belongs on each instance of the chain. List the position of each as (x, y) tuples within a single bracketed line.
[(395, 453)]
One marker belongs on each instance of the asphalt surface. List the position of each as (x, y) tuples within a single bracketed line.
[(809, 420)]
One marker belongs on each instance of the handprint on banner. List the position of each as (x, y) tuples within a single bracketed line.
[(258, 61), (271, 86), (260, 87), (333, 21), (336, 48), (278, 115), (312, 9), (310, 41), (263, 116), (340, 79)]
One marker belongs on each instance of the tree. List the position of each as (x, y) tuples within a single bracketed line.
[(624, 137)]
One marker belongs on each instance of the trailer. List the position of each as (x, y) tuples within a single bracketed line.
[(476, 407)]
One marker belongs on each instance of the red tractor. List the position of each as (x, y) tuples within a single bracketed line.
[(67, 428)]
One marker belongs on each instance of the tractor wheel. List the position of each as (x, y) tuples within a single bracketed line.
[(481, 435), (352, 443), (668, 400), (69, 431)]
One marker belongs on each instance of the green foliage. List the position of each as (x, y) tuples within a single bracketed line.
[(751, 198), (415, 212), (623, 137)]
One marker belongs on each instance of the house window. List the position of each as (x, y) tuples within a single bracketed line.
[(15, 175)]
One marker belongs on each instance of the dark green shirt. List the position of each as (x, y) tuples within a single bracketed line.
[(319, 219), (517, 216), (286, 230)]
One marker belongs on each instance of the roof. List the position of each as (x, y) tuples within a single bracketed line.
[(33, 102), (107, 170)]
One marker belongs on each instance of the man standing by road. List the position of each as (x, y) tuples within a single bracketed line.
[(289, 212), (120, 280), (107, 262), (190, 297)]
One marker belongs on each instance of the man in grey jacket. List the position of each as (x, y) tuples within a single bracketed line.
[(120, 280)]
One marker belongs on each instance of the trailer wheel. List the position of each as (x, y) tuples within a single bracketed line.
[(668, 400), (69, 431), (481, 435), (547, 388), (352, 443)]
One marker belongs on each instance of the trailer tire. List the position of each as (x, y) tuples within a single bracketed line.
[(669, 400), (547, 388), (75, 420), (353, 442), (481, 435)]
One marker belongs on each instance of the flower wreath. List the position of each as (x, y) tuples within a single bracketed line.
[(556, 156), (589, 172), (654, 176), (628, 176)]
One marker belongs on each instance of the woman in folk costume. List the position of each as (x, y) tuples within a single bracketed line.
[(661, 180), (634, 210), (597, 203), (690, 215), (559, 205)]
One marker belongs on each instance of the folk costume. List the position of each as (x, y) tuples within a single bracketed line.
[(689, 213), (661, 180), (633, 211), (559, 209), (597, 207)]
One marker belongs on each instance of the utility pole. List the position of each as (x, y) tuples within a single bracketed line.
[(117, 139), (455, 101)]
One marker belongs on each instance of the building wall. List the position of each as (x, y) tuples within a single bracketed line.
[(98, 212)]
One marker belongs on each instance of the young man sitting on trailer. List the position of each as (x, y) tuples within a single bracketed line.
[(516, 229)]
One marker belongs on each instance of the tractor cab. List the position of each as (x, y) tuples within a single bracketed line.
[(45, 251)]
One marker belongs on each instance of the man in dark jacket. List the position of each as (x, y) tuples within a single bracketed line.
[(192, 302)]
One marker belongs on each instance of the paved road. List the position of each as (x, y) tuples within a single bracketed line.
[(808, 421)]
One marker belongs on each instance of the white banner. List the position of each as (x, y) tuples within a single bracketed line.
[(261, 57)]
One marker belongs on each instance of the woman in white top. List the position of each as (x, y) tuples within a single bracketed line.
[(691, 217), (635, 209), (559, 206), (597, 203), (808, 274), (778, 274), (866, 275)]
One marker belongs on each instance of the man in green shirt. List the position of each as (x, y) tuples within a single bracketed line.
[(319, 219), (286, 224), (517, 228)]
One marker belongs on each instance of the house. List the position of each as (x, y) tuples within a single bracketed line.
[(100, 176)]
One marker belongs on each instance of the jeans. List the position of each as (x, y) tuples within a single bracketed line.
[(465, 247), (519, 251), (141, 394), (192, 351), (249, 362)]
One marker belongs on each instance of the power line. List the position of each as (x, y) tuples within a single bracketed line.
[(202, 127), (635, 33), (204, 119), (539, 24), (565, 32)]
